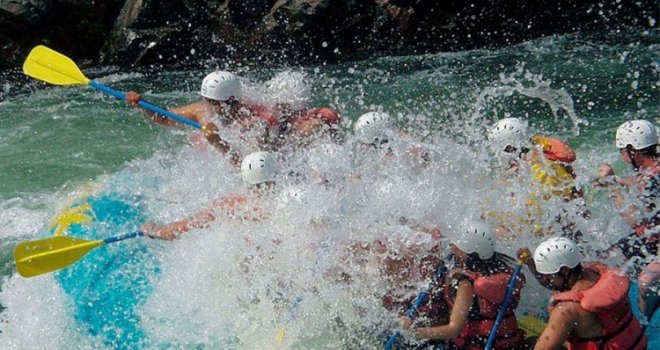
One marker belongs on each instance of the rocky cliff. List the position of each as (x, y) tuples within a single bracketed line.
[(145, 32)]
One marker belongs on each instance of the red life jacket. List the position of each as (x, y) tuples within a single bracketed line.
[(608, 300), (326, 115), (489, 294), (259, 113)]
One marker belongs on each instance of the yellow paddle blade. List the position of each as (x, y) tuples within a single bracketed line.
[(46, 255), (281, 334), (531, 325), (52, 67)]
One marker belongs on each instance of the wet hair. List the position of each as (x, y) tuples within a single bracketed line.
[(575, 270), (497, 263), (650, 151)]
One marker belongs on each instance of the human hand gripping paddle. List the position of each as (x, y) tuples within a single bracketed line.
[(507, 299), (35, 258), (53, 67), (419, 301)]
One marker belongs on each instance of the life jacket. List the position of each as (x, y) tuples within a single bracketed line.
[(553, 173), (608, 300), (554, 149), (489, 294), (326, 115), (259, 114)]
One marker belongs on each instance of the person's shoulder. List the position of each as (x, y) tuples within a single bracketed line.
[(569, 309), (198, 108)]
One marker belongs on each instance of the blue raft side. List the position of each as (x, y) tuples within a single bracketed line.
[(653, 325), (109, 284)]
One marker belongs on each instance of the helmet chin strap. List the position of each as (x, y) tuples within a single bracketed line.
[(632, 160)]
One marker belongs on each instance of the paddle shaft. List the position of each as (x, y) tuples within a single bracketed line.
[(146, 105), (505, 305), (419, 301), (123, 237)]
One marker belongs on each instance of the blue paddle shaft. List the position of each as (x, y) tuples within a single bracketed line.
[(123, 237), (505, 305), (392, 340), (421, 299), (146, 105)]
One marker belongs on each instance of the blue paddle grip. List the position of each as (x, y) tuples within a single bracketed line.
[(123, 237)]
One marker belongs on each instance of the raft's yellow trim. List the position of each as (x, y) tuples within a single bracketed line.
[(67, 217)]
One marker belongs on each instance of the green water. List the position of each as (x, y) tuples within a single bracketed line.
[(56, 135), (53, 139)]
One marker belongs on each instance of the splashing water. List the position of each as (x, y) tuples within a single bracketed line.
[(341, 228)]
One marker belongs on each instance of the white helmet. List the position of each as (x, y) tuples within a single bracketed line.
[(291, 88), (509, 131), (220, 86), (639, 134), (555, 253), (372, 127), (477, 238), (259, 167)]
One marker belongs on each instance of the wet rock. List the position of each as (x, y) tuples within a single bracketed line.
[(153, 31), (77, 27), (147, 32)]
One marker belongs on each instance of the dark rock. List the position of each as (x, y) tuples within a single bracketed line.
[(145, 32), (153, 31), (76, 27)]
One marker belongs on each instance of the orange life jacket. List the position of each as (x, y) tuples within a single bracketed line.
[(489, 294), (325, 114), (554, 149), (608, 300), (554, 172), (259, 113)]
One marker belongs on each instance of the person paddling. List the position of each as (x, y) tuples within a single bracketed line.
[(258, 171), (222, 104), (637, 141), (475, 291), (289, 94), (590, 308), (549, 162), (375, 130)]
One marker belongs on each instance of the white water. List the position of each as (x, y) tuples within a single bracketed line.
[(231, 285)]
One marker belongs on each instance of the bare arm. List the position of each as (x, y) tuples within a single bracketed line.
[(458, 318), (563, 320), (211, 134), (175, 229), (615, 188), (193, 111)]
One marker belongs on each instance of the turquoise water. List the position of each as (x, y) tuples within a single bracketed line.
[(113, 281), (58, 145), (60, 135)]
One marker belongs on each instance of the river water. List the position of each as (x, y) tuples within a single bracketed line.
[(231, 286)]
